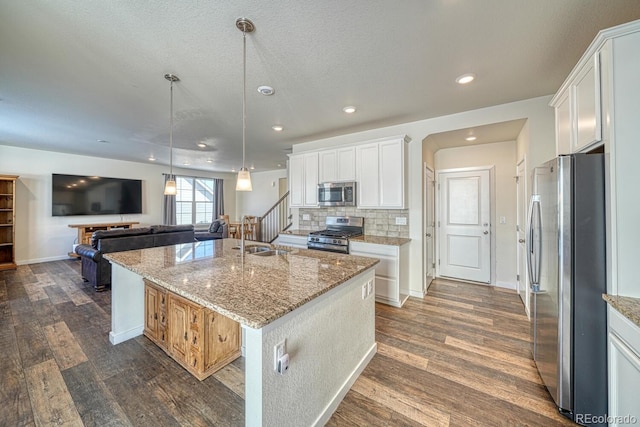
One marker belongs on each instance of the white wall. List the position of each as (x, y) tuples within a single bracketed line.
[(42, 237), (501, 155), (541, 139), (265, 193)]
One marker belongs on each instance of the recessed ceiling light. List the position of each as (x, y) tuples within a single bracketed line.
[(152, 159), (104, 141), (202, 144), (266, 90), (233, 170), (349, 110), (465, 78), (252, 167), (470, 138), (277, 128), (209, 160), (186, 163), (279, 165)]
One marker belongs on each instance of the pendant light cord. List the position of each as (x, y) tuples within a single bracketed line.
[(171, 133), (244, 92)]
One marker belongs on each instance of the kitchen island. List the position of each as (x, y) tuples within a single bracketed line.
[(317, 302)]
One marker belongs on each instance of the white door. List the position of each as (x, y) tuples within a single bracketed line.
[(429, 216), (465, 226), (521, 226)]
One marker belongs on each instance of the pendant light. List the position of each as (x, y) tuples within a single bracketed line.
[(244, 177), (170, 188)]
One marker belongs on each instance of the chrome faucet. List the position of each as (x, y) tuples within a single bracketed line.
[(244, 220)]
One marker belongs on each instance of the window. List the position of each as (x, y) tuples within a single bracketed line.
[(194, 200)]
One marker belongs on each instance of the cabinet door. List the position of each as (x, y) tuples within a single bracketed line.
[(564, 126), (296, 181), (151, 320), (327, 166), (311, 179), (223, 339), (587, 106), (293, 241), (178, 329), (367, 175), (391, 167), (346, 164), (624, 371)]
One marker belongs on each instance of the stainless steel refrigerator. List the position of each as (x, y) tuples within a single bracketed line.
[(567, 272)]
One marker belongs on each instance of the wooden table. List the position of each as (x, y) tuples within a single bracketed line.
[(86, 230)]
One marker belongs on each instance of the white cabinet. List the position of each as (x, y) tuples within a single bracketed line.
[(579, 110), (392, 281), (303, 180), (624, 368), (337, 165), (292, 240), (381, 174), (586, 92), (563, 125), (368, 177)]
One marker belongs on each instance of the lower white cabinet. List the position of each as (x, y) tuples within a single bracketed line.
[(624, 370), (392, 281), (292, 240)]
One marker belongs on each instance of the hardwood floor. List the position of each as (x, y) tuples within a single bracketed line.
[(459, 357)]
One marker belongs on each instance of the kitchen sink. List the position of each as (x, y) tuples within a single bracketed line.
[(270, 252), (256, 249)]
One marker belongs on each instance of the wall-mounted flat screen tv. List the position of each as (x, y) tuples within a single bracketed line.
[(94, 195)]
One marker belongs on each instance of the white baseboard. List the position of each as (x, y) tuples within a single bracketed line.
[(335, 402), (39, 260), (506, 285), (126, 335), (417, 294)]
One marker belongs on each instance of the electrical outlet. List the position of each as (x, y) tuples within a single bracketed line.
[(364, 291), (279, 350), (306, 217), (369, 287), (401, 220)]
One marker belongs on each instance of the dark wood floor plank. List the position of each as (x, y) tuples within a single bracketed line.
[(95, 403), (65, 349), (50, 399), (32, 344)]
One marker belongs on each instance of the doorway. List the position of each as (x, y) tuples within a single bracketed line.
[(429, 226), (464, 226)]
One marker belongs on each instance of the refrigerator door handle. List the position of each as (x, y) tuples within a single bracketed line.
[(534, 244)]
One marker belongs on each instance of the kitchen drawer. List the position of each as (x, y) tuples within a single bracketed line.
[(299, 242), (627, 331)]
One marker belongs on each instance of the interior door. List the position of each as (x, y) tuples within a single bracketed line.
[(465, 226), (429, 239), (521, 231)]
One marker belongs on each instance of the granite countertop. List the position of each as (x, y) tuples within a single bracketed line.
[(367, 238), (627, 306), (253, 290)]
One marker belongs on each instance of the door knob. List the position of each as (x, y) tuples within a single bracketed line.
[(520, 240), (485, 232)]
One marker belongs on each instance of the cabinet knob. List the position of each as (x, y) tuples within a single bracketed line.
[(185, 336), (520, 240), (485, 232)]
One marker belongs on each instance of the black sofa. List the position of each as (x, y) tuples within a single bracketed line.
[(219, 229), (97, 271)]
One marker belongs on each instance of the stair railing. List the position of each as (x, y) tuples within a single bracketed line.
[(275, 220)]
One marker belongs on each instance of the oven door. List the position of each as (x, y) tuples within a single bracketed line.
[(328, 247)]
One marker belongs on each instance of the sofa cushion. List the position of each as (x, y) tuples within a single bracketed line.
[(125, 243), (215, 225), (157, 229), (120, 232)]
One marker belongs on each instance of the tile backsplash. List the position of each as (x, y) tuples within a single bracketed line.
[(377, 222)]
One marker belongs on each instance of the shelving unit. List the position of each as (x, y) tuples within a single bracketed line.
[(7, 222), (85, 231)]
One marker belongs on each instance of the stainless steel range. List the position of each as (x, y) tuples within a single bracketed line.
[(335, 238)]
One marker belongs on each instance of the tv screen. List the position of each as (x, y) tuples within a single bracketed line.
[(94, 195)]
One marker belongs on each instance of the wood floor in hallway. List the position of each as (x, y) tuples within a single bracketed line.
[(459, 357)]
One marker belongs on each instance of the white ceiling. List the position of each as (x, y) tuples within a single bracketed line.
[(73, 72)]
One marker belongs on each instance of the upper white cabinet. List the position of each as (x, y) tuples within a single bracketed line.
[(303, 180), (337, 165), (579, 110), (381, 174)]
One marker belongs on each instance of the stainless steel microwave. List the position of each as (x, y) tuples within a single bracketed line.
[(337, 194)]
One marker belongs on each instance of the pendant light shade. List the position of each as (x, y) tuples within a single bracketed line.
[(170, 188), (244, 180), (244, 177)]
